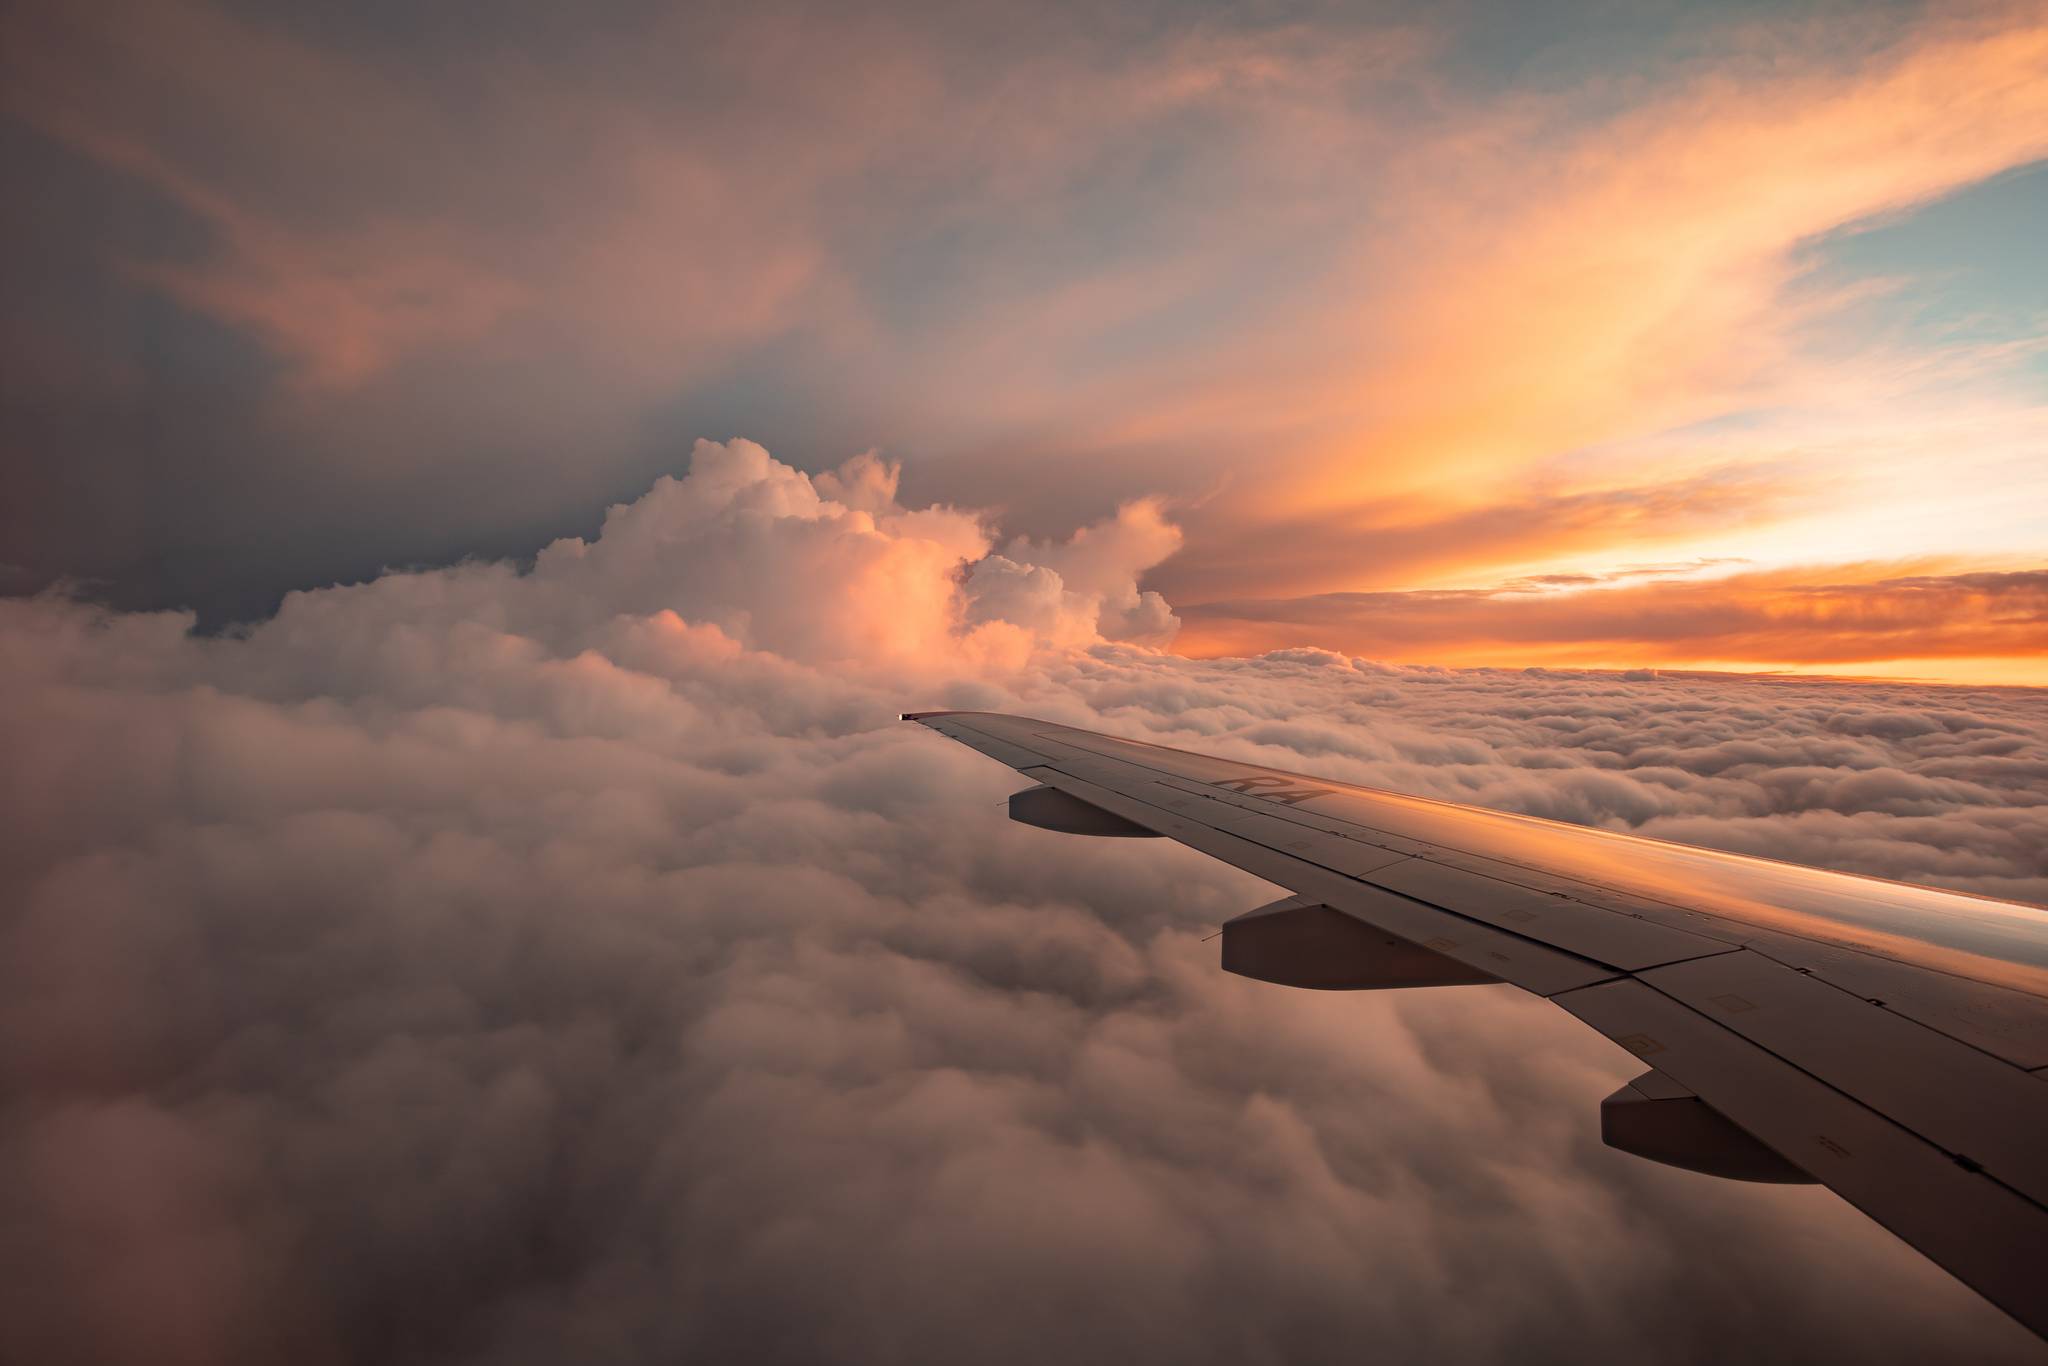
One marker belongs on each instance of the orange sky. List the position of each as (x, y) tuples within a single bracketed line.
[(1874, 620), (1368, 308)]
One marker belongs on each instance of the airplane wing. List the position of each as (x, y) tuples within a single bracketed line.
[(1885, 1040)]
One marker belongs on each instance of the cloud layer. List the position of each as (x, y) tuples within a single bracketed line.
[(580, 963), (1838, 616)]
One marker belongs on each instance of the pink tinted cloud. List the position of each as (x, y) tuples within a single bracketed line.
[(494, 963), (1440, 297)]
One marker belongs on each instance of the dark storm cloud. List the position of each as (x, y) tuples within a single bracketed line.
[(478, 966)]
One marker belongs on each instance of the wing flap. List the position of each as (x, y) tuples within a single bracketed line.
[(2007, 1024), (1983, 1232), (1981, 1111)]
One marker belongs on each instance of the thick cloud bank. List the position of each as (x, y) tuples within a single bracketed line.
[(581, 964)]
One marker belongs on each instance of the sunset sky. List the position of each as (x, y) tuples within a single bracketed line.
[(1562, 334), (484, 478)]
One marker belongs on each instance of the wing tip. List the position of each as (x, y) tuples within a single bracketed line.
[(924, 715)]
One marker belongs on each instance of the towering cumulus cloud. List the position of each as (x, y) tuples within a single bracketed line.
[(577, 963)]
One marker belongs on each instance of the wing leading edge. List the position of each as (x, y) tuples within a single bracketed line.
[(1885, 1040)]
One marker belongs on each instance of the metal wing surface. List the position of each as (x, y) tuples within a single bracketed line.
[(1888, 1041)]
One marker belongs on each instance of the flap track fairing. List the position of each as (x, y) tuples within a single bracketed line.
[(1301, 943)]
